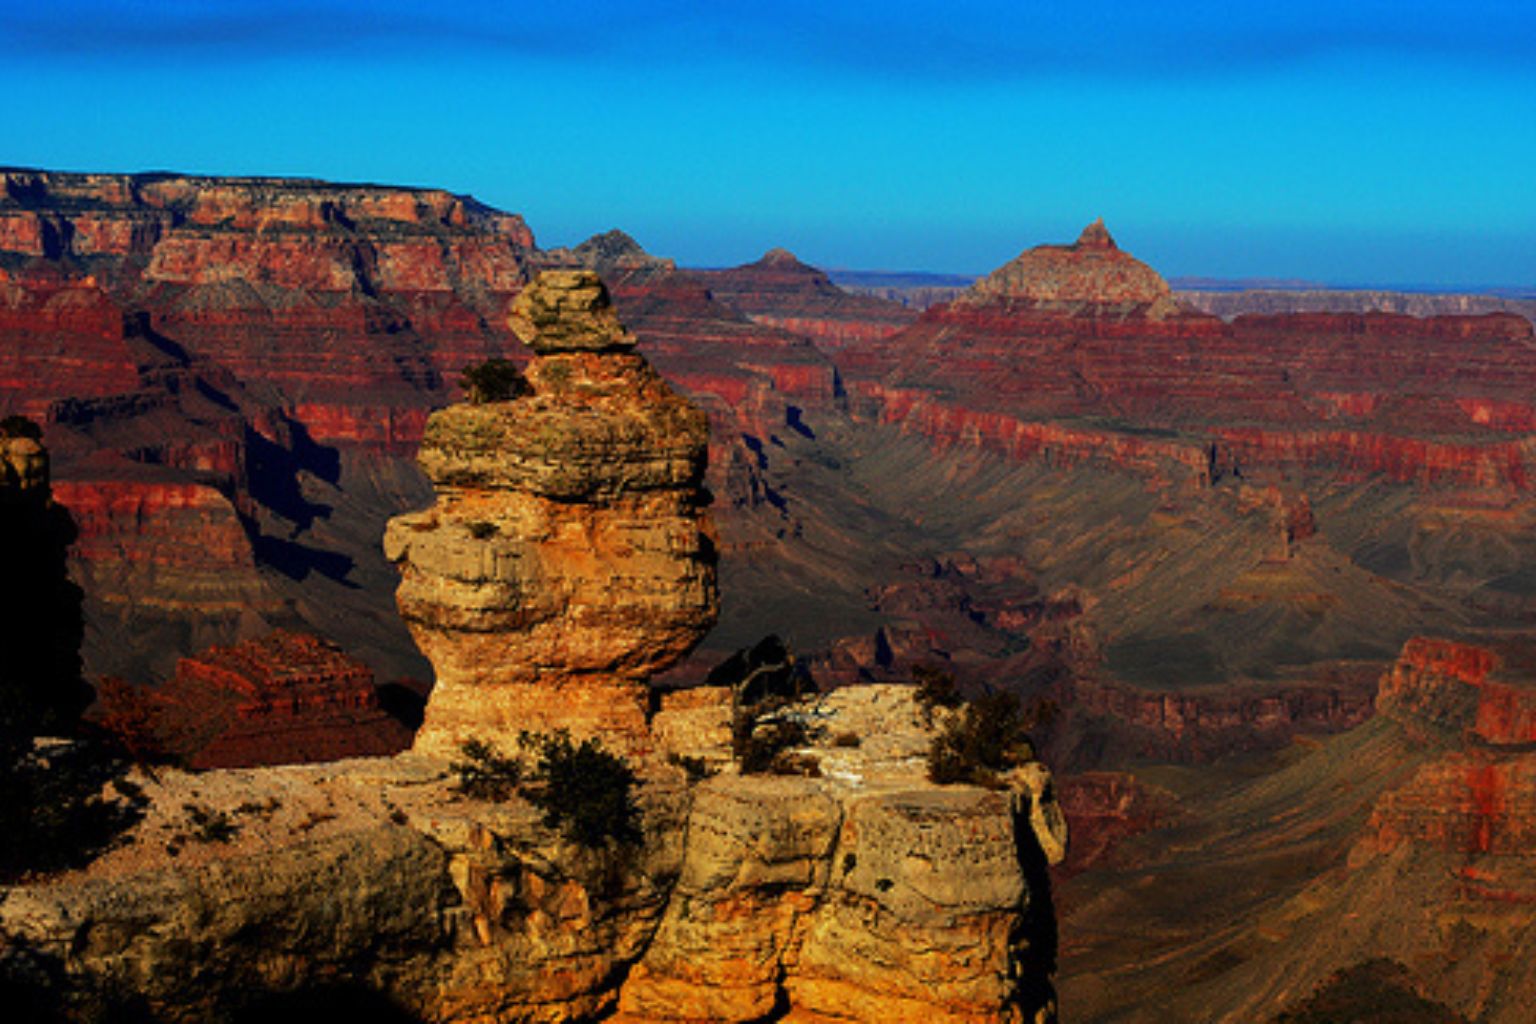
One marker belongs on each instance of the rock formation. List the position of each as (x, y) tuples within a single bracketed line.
[(568, 557), (781, 291), (286, 698), (861, 894), (1092, 276)]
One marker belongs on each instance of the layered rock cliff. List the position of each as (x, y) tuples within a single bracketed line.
[(1080, 352), (1405, 844), (286, 698)]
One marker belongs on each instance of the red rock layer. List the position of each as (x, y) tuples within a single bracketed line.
[(1457, 686), (1476, 801), (161, 546), (1103, 809), (1468, 802), (1430, 402), (325, 292), (284, 699), (59, 335), (1203, 725)]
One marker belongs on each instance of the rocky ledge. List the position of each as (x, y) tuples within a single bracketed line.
[(864, 894)]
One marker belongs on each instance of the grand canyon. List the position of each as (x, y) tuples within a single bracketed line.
[(1266, 578)]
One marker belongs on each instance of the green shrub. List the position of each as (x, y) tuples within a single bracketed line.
[(585, 791), (495, 380), (986, 738), (761, 740), (484, 774), (208, 825), (936, 688)]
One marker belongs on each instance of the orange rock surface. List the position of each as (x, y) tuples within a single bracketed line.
[(568, 556)]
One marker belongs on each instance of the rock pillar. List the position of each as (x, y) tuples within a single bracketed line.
[(568, 556)]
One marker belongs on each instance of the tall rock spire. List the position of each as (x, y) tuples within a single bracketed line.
[(568, 556)]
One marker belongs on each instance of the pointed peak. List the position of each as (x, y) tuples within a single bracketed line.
[(1095, 236), (611, 245)]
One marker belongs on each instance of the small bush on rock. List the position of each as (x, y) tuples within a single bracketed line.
[(936, 688), (582, 789), (495, 380), (762, 740), (986, 738), (484, 774), (208, 825)]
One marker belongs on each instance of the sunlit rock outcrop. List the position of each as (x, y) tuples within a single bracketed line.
[(568, 556)]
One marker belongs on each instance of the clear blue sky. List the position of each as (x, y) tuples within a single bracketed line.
[(1387, 141)]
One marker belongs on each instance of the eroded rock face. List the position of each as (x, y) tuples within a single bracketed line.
[(863, 894), (568, 556)]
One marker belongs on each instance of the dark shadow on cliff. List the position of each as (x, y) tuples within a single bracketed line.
[(53, 813), (297, 561), (35, 988), (275, 474), (330, 1004), (1036, 935), (41, 621)]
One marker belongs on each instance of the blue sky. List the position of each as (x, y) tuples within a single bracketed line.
[(1360, 142)]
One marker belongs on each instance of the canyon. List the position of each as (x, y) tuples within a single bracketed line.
[(1203, 541)]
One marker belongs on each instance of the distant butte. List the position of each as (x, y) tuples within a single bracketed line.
[(1093, 277)]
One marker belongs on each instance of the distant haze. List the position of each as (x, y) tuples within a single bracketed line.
[(1368, 143)]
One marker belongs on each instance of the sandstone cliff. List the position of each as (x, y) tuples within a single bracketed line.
[(860, 895)]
